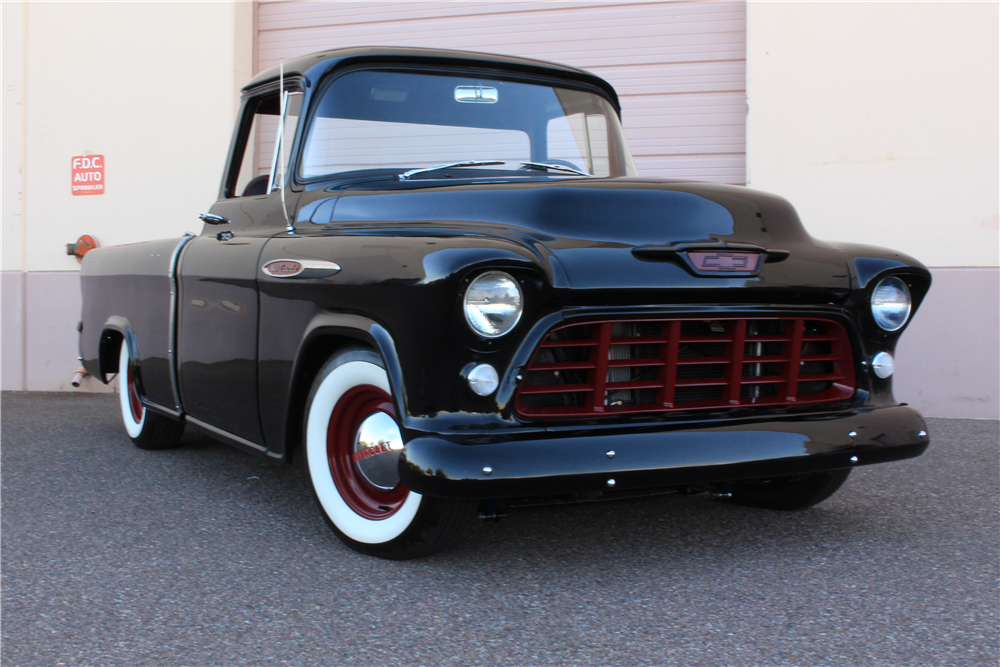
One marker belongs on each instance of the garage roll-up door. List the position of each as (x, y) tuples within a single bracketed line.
[(679, 67)]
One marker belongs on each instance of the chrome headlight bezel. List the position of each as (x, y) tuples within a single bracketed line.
[(474, 316), (887, 314)]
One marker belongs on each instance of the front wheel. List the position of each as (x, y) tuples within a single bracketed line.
[(353, 443), (147, 429), (789, 493)]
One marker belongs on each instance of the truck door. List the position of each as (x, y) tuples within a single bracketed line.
[(217, 336)]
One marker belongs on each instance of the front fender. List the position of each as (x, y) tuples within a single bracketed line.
[(867, 262), (409, 281)]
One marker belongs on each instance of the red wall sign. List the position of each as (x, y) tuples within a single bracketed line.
[(88, 175)]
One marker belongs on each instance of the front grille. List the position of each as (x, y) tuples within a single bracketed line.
[(617, 367)]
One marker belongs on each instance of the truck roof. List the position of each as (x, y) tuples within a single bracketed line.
[(315, 65)]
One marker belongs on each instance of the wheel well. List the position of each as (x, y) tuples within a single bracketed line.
[(108, 351), (317, 351)]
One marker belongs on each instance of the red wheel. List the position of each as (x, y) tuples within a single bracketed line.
[(363, 445), (353, 443), (135, 405)]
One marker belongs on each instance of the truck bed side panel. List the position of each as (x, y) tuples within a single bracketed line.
[(130, 286)]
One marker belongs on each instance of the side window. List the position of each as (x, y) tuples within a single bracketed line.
[(258, 166), (582, 140)]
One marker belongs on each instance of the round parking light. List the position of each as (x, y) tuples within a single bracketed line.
[(483, 379), (883, 364)]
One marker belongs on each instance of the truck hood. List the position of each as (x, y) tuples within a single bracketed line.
[(625, 233)]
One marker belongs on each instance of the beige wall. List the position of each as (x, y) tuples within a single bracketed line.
[(880, 121), (151, 86), (13, 21), (947, 370)]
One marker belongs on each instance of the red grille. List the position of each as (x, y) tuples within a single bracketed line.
[(634, 366)]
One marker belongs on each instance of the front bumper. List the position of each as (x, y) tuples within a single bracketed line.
[(659, 455)]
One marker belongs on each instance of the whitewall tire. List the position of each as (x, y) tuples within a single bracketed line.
[(147, 429), (133, 413), (352, 446)]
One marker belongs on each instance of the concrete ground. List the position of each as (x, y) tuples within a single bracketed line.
[(205, 555)]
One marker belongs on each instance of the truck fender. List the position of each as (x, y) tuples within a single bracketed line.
[(115, 330)]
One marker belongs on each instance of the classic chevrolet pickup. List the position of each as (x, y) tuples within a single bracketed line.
[(438, 276)]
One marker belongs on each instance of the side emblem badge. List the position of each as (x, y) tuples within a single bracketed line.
[(283, 268), (306, 268)]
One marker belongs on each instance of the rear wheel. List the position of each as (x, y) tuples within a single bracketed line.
[(147, 429), (789, 493), (353, 443)]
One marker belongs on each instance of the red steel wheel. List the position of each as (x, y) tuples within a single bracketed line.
[(133, 413), (353, 445), (361, 431), (135, 405)]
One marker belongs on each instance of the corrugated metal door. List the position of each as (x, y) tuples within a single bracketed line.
[(679, 67)]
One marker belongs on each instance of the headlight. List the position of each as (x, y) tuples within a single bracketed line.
[(493, 304), (891, 304)]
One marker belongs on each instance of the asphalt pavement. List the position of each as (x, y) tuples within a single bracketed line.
[(205, 555)]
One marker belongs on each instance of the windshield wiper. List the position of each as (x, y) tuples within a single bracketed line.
[(557, 167), (468, 163)]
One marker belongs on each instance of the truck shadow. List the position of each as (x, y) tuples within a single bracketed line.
[(692, 530)]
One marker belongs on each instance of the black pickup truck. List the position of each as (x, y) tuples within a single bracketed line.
[(438, 276)]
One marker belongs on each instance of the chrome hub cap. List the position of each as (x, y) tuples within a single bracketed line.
[(377, 446)]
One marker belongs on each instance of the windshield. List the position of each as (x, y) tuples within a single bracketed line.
[(384, 119)]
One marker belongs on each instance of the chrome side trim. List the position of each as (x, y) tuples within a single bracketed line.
[(156, 407), (174, 289), (300, 268), (226, 435)]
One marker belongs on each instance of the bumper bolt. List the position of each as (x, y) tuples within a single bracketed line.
[(852, 434), (854, 459), (922, 434), (487, 471), (610, 454), (611, 483)]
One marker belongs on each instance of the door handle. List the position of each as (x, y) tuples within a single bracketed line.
[(212, 219)]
